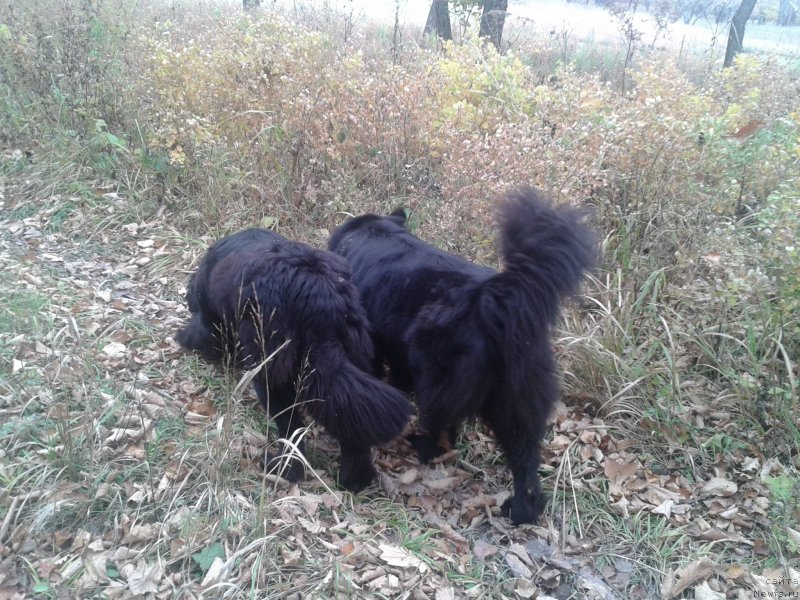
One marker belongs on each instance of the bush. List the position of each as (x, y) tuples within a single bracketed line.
[(232, 118)]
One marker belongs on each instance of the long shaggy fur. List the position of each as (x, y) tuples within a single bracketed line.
[(468, 340), (255, 291)]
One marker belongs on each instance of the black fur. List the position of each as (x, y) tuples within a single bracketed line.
[(467, 339), (254, 291)]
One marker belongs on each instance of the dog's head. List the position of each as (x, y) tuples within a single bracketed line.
[(368, 225)]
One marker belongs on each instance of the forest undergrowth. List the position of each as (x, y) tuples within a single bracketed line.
[(135, 133)]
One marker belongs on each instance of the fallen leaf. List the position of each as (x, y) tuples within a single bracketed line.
[(619, 471), (526, 589), (794, 535), (675, 582), (539, 549), (593, 586), (141, 533), (665, 508), (409, 476), (517, 567), (115, 350), (94, 563), (483, 550), (704, 592), (386, 585), (142, 578), (214, 573), (718, 486), (521, 553), (443, 484), (310, 526), (399, 557)]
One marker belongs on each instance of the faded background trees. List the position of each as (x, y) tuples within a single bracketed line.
[(492, 16), (736, 33)]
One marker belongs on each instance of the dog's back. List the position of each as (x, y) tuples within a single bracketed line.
[(399, 275), (292, 292)]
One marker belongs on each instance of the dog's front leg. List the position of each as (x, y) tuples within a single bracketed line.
[(280, 405), (527, 503)]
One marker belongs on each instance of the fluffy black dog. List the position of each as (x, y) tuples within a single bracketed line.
[(468, 340), (255, 291)]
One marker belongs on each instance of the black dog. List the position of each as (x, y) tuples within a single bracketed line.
[(467, 339), (255, 291)]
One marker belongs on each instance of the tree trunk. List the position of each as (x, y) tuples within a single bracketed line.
[(787, 13), (492, 20), (736, 33), (439, 20)]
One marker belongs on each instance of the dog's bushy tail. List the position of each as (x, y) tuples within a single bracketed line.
[(356, 407), (546, 248)]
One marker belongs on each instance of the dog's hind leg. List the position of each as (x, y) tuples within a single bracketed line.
[(448, 390), (440, 418), (355, 470), (521, 445), (444, 397)]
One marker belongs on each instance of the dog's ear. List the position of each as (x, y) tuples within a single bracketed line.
[(399, 215)]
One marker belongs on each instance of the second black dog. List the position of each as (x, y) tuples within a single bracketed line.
[(261, 299), (467, 339)]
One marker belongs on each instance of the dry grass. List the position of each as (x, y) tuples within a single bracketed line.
[(136, 135)]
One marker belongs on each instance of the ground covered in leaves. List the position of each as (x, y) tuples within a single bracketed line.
[(129, 469)]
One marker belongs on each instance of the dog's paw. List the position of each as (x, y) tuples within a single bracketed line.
[(425, 447), (291, 469), (526, 510), (354, 478), (355, 468)]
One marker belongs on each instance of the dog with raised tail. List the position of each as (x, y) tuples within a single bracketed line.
[(468, 340), (261, 300)]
